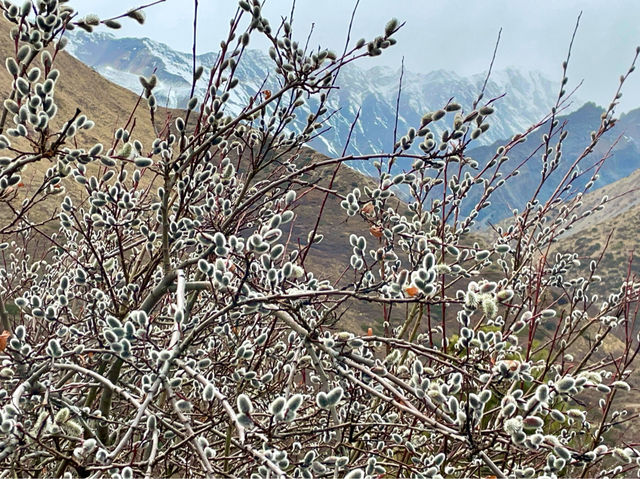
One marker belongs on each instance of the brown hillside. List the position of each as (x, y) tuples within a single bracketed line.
[(110, 107), (107, 104), (615, 226)]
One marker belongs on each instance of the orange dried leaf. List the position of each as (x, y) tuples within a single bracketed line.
[(411, 291), (368, 209), (4, 337), (376, 231), (267, 94)]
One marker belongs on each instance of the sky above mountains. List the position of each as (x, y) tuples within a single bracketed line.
[(439, 34)]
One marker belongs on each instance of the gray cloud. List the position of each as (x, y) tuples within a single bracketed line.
[(454, 35)]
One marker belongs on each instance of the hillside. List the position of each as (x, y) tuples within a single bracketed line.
[(107, 104), (616, 225), (621, 145), (615, 228), (111, 107)]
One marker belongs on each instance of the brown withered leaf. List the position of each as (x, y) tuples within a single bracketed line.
[(4, 337)]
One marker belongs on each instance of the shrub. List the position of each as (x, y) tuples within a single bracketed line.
[(172, 325)]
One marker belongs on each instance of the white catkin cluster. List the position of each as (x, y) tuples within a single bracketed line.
[(170, 306)]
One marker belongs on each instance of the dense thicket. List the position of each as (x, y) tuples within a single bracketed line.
[(162, 318)]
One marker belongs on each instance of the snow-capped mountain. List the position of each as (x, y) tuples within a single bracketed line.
[(528, 95)]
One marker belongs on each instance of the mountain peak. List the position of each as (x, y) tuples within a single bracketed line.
[(590, 107)]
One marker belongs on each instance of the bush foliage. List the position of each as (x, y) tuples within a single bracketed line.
[(168, 323)]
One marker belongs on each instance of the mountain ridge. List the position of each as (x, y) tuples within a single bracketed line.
[(372, 93), (620, 146)]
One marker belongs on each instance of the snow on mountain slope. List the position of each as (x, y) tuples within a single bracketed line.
[(528, 95)]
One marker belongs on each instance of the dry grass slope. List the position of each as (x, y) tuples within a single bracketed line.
[(614, 227)]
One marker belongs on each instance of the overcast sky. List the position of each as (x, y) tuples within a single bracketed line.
[(456, 35)]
